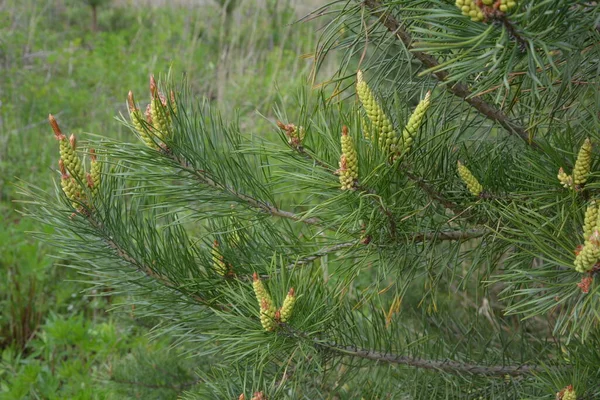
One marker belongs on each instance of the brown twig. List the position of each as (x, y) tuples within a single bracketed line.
[(459, 89)]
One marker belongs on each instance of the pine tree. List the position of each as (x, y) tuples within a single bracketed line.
[(429, 231)]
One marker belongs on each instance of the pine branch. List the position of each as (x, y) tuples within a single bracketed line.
[(323, 252), (446, 365), (459, 89), (454, 367), (263, 206), (144, 269), (414, 238)]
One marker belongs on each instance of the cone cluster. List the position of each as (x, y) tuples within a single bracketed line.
[(73, 176), (294, 134), (269, 316), (477, 10), (379, 125), (467, 177), (154, 126), (589, 255), (470, 9), (348, 171), (582, 168)]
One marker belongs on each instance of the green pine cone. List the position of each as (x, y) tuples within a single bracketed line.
[(470, 9), (288, 306), (589, 254), (414, 122), (564, 179), (71, 159), (136, 120), (95, 172), (380, 122), (348, 162), (583, 163), (467, 177), (591, 220)]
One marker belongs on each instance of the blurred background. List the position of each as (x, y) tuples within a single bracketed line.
[(77, 59)]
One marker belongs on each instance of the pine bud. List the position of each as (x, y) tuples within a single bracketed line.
[(136, 119), (591, 220), (589, 254), (348, 162), (267, 309), (242, 397), (382, 126), (564, 179), (158, 111), (95, 172), (258, 396), (467, 177), (414, 123), (285, 313), (583, 163), (71, 160), (218, 263)]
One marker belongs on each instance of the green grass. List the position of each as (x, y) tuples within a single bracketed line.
[(57, 342)]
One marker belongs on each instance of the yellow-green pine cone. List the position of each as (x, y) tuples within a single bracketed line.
[(285, 313), (470, 9), (349, 163), (590, 253), (136, 120), (346, 179), (218, 263), (158, 110), (267, 315), (95, 172), (506, 5), (71, 160), (583, 163), (590, 221), (173, 103), (261, 293), (567, 393), (265, 304), (69, 186), (564, 179), (382, 126), (414, 122), (365, 129), (467, 177)]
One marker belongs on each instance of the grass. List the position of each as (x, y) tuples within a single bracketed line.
[(56, 341)]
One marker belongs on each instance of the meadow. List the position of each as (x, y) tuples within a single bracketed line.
[(58, 336)]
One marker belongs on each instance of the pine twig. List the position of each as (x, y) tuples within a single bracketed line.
[(450, 366), (459, 89), (144, 269), (249, 200)]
